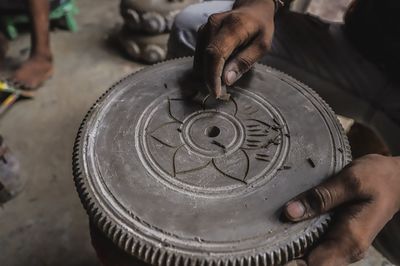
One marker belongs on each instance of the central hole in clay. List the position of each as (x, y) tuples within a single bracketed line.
[(213, 132)]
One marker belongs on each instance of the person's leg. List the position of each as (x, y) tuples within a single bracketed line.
[(319, 55), (3, 46), (38, 68), (182, 40)]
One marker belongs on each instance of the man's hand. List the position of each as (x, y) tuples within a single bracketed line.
[(364, 197), (231, 42)]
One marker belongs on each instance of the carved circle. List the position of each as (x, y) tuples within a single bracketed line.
[(226, 138), (212, 131), (251, 144)]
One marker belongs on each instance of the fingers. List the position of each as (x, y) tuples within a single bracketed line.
[(358, 183), (230, 37), (322, 198), (213, 67), (227, 37), (364, 196), (350, 235), (245, 59), (203, 37), (204, 34)]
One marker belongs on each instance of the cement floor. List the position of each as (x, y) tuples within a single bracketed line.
[(46, 224)]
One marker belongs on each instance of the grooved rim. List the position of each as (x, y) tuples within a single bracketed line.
[(156, 256)]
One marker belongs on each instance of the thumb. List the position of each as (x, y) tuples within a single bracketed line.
[(320, 199), (243, 60)]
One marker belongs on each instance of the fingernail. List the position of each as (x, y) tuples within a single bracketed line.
[(231, 77), (295, 210)]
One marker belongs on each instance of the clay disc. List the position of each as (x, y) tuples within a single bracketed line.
[(174, 177)]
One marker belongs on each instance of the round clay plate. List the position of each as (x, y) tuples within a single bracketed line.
[(175, 177)]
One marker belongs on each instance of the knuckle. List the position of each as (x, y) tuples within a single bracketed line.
[(214, 20), (264, 44), (266, 38), (213, 51), (353, 180), (244, 63), (236, 20), (321, 199), (358, 252)]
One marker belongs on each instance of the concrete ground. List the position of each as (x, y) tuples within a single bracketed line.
[(46, 224)]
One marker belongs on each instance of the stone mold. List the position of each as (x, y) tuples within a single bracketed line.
[(174, 177), (142, 47)]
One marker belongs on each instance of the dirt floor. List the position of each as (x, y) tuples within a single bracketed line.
[(46, 224)]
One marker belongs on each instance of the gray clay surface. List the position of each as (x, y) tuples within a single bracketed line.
[(173, 176)]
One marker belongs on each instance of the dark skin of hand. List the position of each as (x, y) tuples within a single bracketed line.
[(364, 196), (231, 42)]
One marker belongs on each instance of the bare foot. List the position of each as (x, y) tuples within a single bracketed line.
[(3, 46), (34, 72)]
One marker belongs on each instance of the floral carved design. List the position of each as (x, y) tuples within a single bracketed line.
[(234, 139)]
